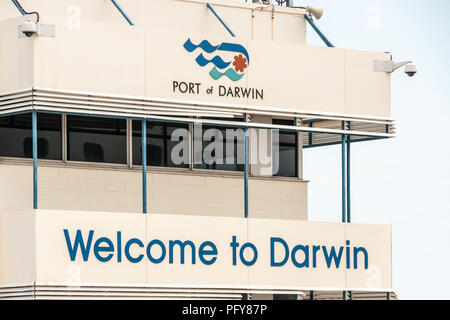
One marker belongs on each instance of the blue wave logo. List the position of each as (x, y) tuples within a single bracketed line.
[(233, 70)]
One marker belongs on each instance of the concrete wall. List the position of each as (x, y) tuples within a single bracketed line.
[(16, 66), (17, 247), (111, 190)]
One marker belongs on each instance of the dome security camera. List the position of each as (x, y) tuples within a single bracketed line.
[(29, 28), (391, 66), (411, 70)]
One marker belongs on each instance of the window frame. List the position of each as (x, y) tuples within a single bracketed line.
[(61, 138), (236, 147), (93, 163), (165, 137), (129, 150)]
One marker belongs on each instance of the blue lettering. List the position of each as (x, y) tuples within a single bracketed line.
[(332, 256), (98, 248), (85, 249), (255, 254), (127, 250), (272, 252), (163, 251), (315, 249), (355, 257), (202, 251), (234, 245), (182, 245), (119, 246), (305, 262), (347, 254)]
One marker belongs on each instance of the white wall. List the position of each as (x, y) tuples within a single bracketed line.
[(119, 190), (247, 20), (46, 243), (103, 57)]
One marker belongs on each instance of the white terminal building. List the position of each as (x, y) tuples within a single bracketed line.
[(153, 150)]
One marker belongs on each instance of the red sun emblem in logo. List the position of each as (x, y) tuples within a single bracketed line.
[(240, 63)]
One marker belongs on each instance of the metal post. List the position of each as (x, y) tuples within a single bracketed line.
[(348, 174), (144, 166), (18, 7), (317, 30), (220, 19), (35, 157), (344, 182), (344, 198), (245, 168)]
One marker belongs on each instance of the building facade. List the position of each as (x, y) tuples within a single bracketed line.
[(154, 150)]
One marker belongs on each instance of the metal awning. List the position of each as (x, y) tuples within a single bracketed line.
[(319, 129), (56, 290)]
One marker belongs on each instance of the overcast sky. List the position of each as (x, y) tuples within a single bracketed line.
[(404, 181)]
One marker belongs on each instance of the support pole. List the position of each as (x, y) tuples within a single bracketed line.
[(35, 157), (245, 168), (343, 168), (122, 12), (144, 166), (18, 7), (220, 19), (344, 182), (348, 174)]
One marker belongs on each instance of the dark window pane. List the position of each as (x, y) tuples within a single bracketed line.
[(16, 136), (159, 144), (289, 138), (94, 139), (49, 136), (230, 161), (287, 162), (283, 122), (286, 158)]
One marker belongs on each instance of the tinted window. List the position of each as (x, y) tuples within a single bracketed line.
[(16, 136), (160, 146), (286, 157), (96, 139), (231, 149)]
